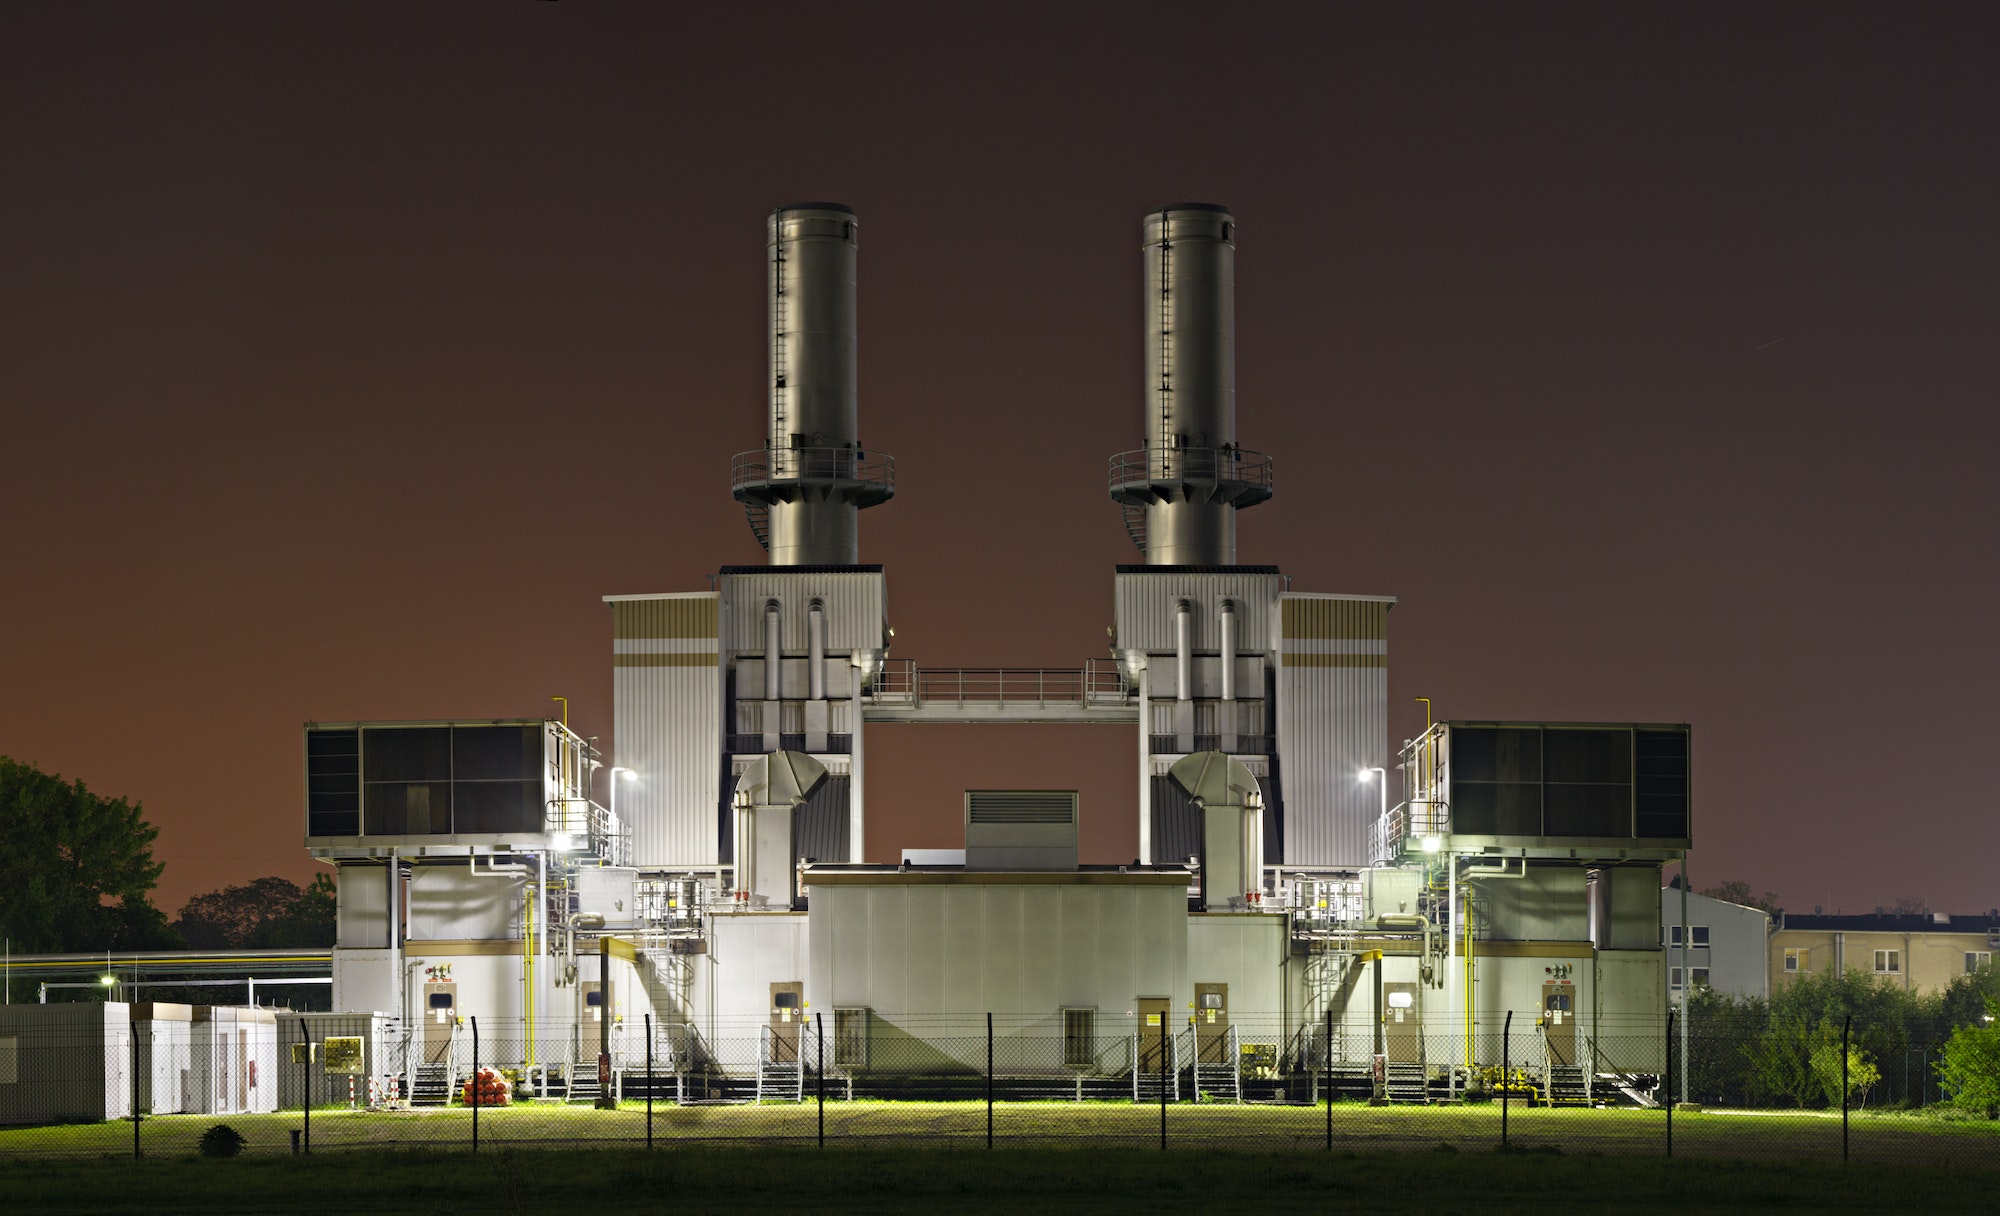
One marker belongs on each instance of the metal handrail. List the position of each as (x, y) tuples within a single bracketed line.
[(835, 465), (1224, 465), (1097, 682)]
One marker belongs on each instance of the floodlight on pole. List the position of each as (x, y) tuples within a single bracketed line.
[(1380, 776)]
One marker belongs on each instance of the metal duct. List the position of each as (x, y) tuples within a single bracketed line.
[(803, 489), (1191, 476)]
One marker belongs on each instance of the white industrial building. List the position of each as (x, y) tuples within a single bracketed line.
[(1284, 915)]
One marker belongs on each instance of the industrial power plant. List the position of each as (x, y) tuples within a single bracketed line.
[(1291, 927), (1285, 917)]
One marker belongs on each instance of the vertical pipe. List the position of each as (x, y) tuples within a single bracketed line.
[(1183, 652), (306, 1085), (1145, 770), (1163, 1076), (1687, 974), (816, 651), (773, 653), (1228, 650), (856, 807)]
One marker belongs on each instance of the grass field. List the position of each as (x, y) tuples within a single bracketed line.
[(931, 1181), (1786, 1136)]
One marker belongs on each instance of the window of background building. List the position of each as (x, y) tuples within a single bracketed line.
[(1699, 934), (1674, 979), (1888, 962), (1975, 959), (1701, 977), (1798, 959)]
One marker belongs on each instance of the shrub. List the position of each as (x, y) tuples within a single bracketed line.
[(221, 1140)]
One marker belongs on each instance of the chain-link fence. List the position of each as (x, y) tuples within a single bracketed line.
[(94, 1080)]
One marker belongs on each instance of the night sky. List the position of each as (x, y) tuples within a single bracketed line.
[(349, 354)]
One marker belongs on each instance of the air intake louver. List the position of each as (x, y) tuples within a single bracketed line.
[(1020, 806)]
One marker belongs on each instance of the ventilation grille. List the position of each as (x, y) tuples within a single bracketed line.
[(1020, 806)]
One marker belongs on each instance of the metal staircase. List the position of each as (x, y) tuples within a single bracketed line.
[(778, 1079), (431, 1086), (1566, 1086), (1148, 1080), (1405, 1082), (1221, 1079)]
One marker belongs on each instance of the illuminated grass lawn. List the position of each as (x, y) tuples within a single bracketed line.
[(1356, 1128)]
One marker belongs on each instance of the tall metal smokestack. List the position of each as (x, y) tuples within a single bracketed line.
[(1182, 490), (803, 489)]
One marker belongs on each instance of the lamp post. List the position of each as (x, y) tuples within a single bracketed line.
[(617, 773), (1380, 777)]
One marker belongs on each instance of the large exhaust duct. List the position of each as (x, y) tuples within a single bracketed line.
[(1182, 490), (803, 489)]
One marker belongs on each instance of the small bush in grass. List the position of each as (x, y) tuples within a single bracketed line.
[(221, 1140)]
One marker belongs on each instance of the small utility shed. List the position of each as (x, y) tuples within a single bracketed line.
[(235, 1054), (65, 1063), (166, 1055)]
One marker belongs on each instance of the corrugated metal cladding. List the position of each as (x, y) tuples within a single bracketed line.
[(1145, 609), (997, 947), (856, 604), (1333, 690), (819, 828), (667, 699)]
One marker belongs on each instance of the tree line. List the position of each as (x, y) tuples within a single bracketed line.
[(1905, 1049), (77, 876)]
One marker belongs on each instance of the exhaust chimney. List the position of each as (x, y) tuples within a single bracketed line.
[(803, 489), (1182, 490)]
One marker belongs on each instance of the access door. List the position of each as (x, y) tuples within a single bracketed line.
[(1559, 1021), (440, 1019), (1211, 1023), (1153, 1030), (1402, 1030), (788, 1011)]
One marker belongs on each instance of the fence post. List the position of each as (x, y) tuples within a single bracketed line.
[(1846, 1025), (1326, 1070), (819, 1054), (989, 1080), (475, 1085), (1667, 1080), (649, 1082), (1506, 1072), (1163, 1078), (306, 1084), (132, 1028)]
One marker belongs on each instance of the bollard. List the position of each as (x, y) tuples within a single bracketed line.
[(295, 1141)]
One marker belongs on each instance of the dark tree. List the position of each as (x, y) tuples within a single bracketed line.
[(76, 869), (1736, 891), (265, 912)]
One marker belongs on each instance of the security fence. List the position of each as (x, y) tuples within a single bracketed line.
[(73, 1081)]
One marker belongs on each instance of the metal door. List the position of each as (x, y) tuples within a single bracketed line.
[(1211, 1023), (788, 1010), (1153, 1015), (440, 1020), (1559, 1021), (1402, 1030), (593, 1003)]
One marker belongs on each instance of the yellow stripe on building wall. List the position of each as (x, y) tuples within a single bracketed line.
[(678, 616), (701, 659), (1352, 620)]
